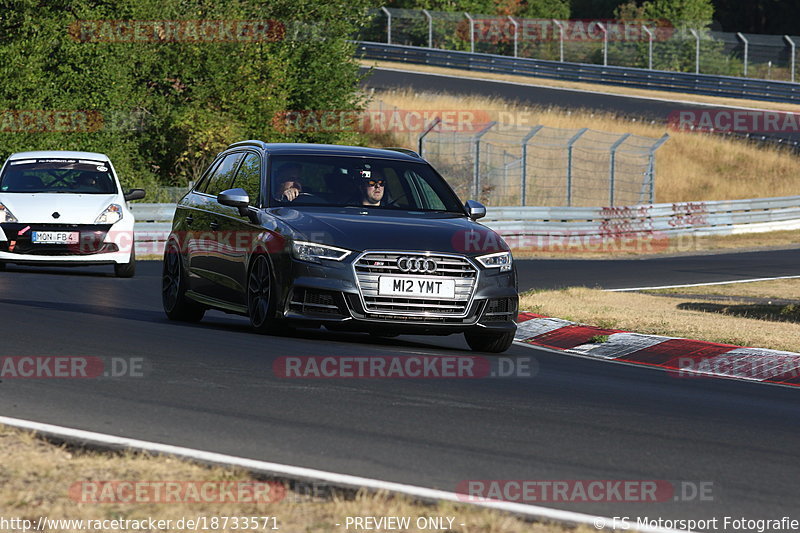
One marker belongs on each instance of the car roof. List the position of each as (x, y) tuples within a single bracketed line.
[(59, 154), (326, 149)]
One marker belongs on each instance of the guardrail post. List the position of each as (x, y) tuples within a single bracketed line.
[(430, 28), (388, 25), (605, 43), (793, 48), (746, 50), (651, 167), (421, 138), (477, 170), (569, 163), (516, 33), (560, 39), (524, 162), (649, 46), (612, 173), (471, 32), (697, 51)]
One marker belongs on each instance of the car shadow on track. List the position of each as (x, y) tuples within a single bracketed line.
[(78, 270)]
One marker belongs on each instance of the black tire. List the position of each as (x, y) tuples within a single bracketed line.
[(2, 267), (126, 270), (482, 341), (173, 289), (260, 296)]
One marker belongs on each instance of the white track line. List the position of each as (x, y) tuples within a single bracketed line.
[(583, 91), (752, 280), (82, 437)]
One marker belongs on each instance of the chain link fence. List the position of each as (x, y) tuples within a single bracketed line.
[(640, 44), (505, 166)]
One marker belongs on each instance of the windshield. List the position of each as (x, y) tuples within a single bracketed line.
[(359, 181), (76, 176)]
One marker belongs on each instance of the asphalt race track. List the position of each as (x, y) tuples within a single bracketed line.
[(211, 386), (652, 109)]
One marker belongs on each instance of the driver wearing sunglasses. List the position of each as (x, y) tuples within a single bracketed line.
[(372, 188)]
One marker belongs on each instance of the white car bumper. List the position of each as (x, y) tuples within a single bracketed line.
[(120, 235)]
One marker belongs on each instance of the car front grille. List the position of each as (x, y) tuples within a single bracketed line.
[(372, 265), (90, 241)]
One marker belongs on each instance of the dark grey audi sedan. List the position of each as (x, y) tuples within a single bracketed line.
[(344, 237)]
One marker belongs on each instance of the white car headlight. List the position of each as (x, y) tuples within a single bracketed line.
[(501, 260), (6, 215), (310, 251), (111, 215)]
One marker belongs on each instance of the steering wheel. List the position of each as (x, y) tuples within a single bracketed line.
[(394, 201)]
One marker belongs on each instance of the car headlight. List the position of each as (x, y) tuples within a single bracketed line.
[(310, 251), (111, 215), (6, 215), (501, 260)]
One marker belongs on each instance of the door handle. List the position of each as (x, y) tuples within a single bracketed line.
[(189, 219), (214, 225)]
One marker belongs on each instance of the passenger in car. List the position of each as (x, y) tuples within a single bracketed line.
[(288, 177), (372, 187)]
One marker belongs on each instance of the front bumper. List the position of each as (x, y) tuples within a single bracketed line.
[(332, 295), (97, 244)]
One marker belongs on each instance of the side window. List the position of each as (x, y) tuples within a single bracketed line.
[(221, 177), (202, 183), (430, 200), (249, 177)]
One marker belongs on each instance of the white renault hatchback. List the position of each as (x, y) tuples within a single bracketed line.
[(65, 208)]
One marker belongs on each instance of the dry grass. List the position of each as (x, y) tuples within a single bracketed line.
[(657, 315), (678, 245), (689, 167), (781, 289), (35, 477), (611, 89)]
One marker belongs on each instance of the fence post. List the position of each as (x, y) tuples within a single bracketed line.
[(524, 162), (649, 46), (697, 51), (651, 168), (388, 25), (477, 170), (430, 28), (746, 50), (427, 130), (611, 175), (791, 44), (560, 40), (516, 33), (605, 43), (471, 32), (569, 163)]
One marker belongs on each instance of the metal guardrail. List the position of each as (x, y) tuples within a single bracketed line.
[(522, 226), (706, 84)]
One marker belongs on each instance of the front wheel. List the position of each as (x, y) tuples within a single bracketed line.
[(173, 289), (2, 266), (260, 298), (483, 341), (126, 270)]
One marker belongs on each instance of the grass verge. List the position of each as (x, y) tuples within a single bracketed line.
[(736, 321), (690, 167), (36, 477), (678, 245)]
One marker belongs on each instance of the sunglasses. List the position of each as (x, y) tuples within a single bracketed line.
[(375, 183)]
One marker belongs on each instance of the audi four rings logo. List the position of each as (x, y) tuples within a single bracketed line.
[(417, 264)]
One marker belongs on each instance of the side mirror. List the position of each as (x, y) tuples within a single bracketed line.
[(134, 194), (235, 198), (475, 210)]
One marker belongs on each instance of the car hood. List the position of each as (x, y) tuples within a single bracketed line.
[(38, 208), (392, 230)]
